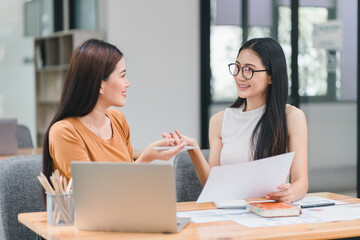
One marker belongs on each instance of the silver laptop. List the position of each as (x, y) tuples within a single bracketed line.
[(125, 197), (8, 136)]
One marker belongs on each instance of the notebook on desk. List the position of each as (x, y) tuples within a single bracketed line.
[(8, 136), (125, 197)]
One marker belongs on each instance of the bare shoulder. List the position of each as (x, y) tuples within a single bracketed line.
[(295, 117), (215, 124), (217, 119)]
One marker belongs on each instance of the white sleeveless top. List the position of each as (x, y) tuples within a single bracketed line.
[(236, 132)]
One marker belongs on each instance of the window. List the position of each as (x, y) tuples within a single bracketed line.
[(225, 42), (319, 69)]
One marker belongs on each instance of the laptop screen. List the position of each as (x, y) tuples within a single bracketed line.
[(124, 196)]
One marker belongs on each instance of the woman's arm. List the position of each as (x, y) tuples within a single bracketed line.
[(298, 138), (202, 167)]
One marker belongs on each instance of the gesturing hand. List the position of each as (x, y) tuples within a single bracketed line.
[(178, 137), (149, 154)]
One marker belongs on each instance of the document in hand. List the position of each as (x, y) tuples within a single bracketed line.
[(246, 180), (274, 209)]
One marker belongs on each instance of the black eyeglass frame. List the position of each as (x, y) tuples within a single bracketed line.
[(242, 70)]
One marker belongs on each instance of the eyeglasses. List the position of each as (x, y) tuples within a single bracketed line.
[(247, 72)]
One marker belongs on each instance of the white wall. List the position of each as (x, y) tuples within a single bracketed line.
[(160, 40), (332, 134), (332, 129), (17, 84)]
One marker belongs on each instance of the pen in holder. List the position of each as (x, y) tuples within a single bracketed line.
[(60, 209), (59, 202)]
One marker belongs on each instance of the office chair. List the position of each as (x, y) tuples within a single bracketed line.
[(20, 192), (24, 137), (188, 186)]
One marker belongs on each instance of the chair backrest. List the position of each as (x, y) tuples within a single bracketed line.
[(188, 186), (24, 137), (20, 192)]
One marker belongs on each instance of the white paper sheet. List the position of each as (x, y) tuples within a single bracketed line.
[(213, 215), (311, 215), (249, 219), (253, 220), (246, 180), (334, 213)]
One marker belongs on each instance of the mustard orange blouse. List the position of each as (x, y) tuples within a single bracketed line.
[(70, 140)]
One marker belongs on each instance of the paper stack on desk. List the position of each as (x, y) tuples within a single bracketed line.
[(246, 180)]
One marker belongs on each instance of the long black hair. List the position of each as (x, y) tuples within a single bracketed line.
[(270, 134), (91, 62)]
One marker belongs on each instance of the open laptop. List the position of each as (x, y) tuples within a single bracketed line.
[(8, 136), (125, 197)]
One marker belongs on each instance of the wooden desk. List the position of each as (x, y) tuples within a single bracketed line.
[(217, 230), (24, 151)]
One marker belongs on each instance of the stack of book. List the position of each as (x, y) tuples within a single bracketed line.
[(274, 209)]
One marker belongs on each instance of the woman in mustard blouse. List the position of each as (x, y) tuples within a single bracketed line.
[(84, 127)]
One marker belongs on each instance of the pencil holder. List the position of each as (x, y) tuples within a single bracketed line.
[(60, 210)]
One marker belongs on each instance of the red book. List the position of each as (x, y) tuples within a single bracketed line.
[(274, 209)]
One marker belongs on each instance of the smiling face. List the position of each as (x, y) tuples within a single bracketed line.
[(113, 90), (255, 88)]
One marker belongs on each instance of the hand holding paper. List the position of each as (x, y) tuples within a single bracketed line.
[(246, 180)]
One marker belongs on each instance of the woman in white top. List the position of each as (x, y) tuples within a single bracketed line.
[(259, 124)]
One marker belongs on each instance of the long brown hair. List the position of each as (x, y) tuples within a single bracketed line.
[(91, 62), (270, 134)]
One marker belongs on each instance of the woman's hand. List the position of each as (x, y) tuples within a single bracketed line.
[(285, 195), (178, 137), (150, 154)]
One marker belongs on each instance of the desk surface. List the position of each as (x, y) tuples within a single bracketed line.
[(217, 230), (23, 151)]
